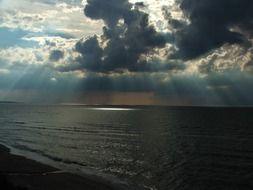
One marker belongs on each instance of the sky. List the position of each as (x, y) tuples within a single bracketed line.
[(150, 52)]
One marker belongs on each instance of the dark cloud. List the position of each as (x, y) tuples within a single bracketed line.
[(174, 23), (91, 53), (210, 24), (56, 55), (110, 10), (126, 37)]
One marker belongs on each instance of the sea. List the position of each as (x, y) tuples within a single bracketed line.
[(139, 147)]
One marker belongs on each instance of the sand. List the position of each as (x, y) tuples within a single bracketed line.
[(20, 173)]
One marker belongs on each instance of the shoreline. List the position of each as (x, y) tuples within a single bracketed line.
[(20, 173)]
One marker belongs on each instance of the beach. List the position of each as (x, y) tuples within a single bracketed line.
[(20, 173)]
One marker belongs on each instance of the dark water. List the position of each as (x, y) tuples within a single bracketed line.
[(149, 148)]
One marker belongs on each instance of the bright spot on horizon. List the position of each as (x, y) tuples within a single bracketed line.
[(112, 109)]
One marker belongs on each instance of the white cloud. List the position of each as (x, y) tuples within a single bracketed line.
[(4, 72), (156, 15), (46, 16), (228, 58)]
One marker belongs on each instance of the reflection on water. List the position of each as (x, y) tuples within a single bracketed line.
[(150, 148)]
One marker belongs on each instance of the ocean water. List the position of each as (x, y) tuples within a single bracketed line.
[(163, 148)]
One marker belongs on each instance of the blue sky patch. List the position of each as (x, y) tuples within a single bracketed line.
[(14, 37)]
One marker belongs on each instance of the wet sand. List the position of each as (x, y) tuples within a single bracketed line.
[(20, 173)]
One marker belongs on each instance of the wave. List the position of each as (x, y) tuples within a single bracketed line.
[(89, 172)]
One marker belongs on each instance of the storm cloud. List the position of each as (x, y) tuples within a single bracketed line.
[(56, 55), (213, 23), (126, 40)]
